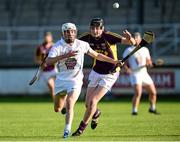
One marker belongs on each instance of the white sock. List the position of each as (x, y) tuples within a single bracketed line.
[(67, 127), (153, 107), (134, 109)]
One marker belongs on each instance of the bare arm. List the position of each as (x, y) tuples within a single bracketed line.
[(149, 62), (53, 60), (128, 39), (101, 57), (39, 56)]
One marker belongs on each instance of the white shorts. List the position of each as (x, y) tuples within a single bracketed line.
[(46, 75), (104, 80), (142, 78), (68, 86)]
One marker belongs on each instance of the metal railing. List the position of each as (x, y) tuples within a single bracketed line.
[(167, 36)]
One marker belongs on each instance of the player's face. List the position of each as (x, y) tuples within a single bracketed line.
[(70, 35), (96, 31), (137, 39), (48, 38)]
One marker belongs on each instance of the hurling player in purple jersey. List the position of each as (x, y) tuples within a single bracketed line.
[(48, 71), (100, 78)]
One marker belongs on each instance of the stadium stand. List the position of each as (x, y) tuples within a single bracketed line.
[(23, 23)]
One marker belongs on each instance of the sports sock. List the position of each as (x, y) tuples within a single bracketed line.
[(82, 126), (153, 107), (134, 109), (67, 127), (95, 116)]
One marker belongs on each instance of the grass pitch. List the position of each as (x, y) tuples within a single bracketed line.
[(27, 119)]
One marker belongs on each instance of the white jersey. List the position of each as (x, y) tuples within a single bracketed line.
[(137, 63), (138, 59), (70, 68)]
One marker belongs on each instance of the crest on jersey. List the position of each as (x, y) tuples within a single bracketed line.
[(70, 63), (103, 46)]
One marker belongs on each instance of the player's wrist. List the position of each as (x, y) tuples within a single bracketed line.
[(133, 41)]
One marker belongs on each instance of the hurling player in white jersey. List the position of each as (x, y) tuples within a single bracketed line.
[(136, 67), (69, 80)]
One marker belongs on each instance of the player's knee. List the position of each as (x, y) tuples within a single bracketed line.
[(154, 92), (137, 95)]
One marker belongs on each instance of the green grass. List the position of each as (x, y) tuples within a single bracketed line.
[(33, 120)]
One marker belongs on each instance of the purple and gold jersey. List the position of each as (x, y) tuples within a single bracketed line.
[(42, 52), (106, 45)]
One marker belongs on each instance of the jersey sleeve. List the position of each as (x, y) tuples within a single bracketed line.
[(87, 48), (113, 37), (147, 53), (84, 37), (39, 53)]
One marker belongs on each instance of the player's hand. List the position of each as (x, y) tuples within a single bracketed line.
[(127, 35), (70, 54), (119, 63), (150, 65), (44, 65)]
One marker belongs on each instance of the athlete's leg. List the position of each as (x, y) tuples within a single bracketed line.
[(70, 102), (97, 88), (151, 89), (152, 96), (51, 86), (89, 94), (136, 98), (59, 101), (94, 95)]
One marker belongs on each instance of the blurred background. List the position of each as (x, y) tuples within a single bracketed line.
[(24, 22)]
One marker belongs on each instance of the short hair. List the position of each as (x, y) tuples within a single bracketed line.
[(48, 34), (97, 22)]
